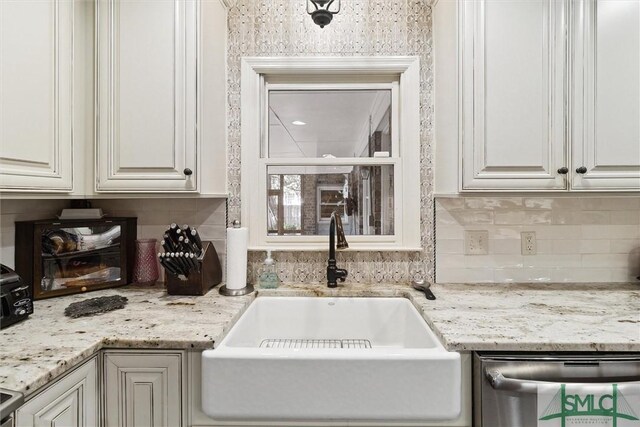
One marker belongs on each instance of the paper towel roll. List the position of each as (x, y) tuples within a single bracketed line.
[(237, 243)]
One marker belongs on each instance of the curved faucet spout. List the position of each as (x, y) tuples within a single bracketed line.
[(333, 272)]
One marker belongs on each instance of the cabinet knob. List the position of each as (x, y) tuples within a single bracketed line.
[(581, 170), (563, 170), (187, 172)]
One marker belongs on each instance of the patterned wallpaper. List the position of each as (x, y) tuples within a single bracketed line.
[(362, 28)]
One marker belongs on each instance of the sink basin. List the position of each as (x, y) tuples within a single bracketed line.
[(331, 359)]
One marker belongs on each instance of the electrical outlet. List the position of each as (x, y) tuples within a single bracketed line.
[(476, 242), (528, 242)]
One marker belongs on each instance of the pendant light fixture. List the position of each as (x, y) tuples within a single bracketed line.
[(321, 11)]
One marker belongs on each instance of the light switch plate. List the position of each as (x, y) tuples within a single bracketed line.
[(476, 242)]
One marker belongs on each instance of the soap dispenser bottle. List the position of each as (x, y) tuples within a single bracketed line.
[(269, 278)]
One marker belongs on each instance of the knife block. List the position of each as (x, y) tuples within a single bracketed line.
[(197, 283)]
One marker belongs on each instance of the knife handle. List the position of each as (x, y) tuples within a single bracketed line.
[(195, 237)]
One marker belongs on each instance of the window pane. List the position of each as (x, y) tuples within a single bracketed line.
[(274, 182), (361, 195), (272, 214), (284, 205), (330, 123)]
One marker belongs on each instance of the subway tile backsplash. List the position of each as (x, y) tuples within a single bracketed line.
[(579, 239)]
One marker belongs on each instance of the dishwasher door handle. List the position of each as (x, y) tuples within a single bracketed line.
[(500, 382)]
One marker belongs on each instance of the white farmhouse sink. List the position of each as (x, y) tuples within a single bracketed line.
[(331, 359)]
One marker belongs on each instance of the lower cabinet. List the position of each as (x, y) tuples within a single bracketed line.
[(148, 388), (71, 401), (143, 389)]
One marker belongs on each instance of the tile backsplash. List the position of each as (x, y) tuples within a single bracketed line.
[(154, 215), (579, 239), (362, 28)]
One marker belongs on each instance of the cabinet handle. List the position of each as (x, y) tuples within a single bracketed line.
[(581, 170), (563, 170), (187, 172)]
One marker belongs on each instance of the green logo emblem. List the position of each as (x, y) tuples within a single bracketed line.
[(613, 406)]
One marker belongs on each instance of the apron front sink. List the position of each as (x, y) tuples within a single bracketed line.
[(331, 359)]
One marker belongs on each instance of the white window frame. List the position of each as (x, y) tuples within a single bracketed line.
[(336, 72)]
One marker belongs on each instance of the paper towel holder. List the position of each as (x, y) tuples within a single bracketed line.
[(236, 292)]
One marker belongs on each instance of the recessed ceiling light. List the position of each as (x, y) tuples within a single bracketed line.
[(298, 123)]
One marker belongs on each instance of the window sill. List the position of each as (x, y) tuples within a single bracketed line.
[(325, 248)]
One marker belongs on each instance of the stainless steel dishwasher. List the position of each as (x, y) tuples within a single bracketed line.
[(557, 389)]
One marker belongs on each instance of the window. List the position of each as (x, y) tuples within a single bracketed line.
[(324, 135), (284, 213)]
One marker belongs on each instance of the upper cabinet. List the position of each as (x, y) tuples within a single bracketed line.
[(512, 62), (155, 70), (147, 102), (161, 118), (523, 103), (36, 95), (606, 98)]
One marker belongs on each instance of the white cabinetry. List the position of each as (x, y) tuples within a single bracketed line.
[(146, 130), (539, 95), (113, 96), (36, 95), (144, 389), (513, 92), (70, 402), (606, 109)]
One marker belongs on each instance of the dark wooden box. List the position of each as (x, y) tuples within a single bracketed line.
[(80, 269), (198, 283)]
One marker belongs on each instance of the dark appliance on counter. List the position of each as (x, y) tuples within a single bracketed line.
[(60, 257), (9, 401), (538, 389), (16, 297)]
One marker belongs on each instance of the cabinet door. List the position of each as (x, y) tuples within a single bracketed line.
[(513, 88), (36, 92), (606, 113), (146, 130), (70, 402), (143, 389)]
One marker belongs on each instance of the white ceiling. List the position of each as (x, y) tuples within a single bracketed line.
[(337, 122)]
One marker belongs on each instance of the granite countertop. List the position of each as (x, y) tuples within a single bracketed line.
[(510, 317), (516, 317), (48, 344)]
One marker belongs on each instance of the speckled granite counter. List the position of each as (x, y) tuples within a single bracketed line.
[(517, 317), (567, 317), (48, 344)]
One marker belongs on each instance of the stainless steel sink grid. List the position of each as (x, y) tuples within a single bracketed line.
[(303, 343)]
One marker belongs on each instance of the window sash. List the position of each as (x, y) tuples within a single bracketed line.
[(299, 242), (274, 87)]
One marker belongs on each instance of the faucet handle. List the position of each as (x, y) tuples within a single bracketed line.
[(342, 240), (341, 274)]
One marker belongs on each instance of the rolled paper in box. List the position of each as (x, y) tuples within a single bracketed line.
[(237, 244)]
